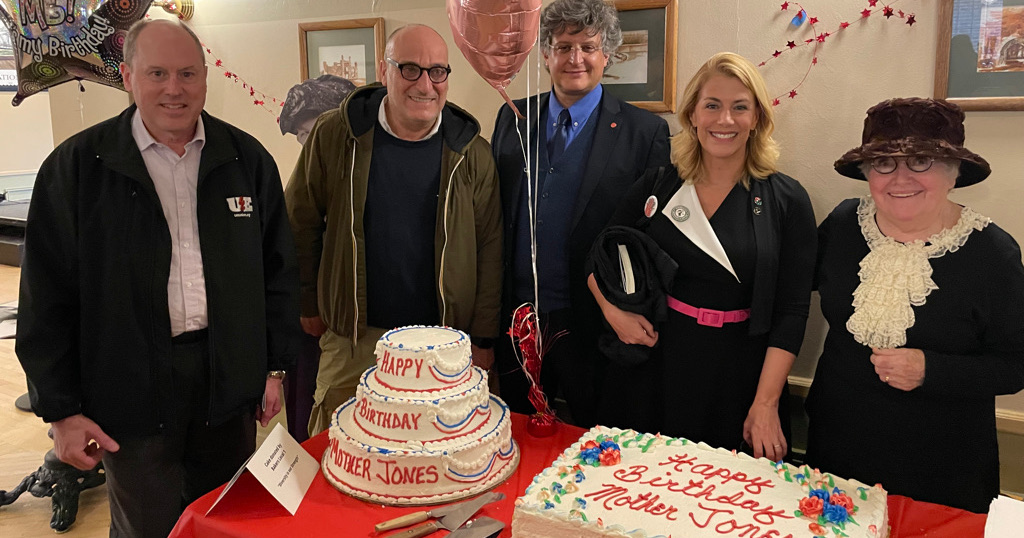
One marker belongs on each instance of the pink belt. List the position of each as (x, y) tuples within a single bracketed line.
[(707, 316)]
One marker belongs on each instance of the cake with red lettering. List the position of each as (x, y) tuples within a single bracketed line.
[(627, 484), (423, 427)]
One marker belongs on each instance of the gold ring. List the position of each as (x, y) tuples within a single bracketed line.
[(886, 379), (777, 446)]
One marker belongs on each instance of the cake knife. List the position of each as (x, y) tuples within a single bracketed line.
[(451, 517), (481, 527)]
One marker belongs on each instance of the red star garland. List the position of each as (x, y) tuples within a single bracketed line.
[(819, 38)]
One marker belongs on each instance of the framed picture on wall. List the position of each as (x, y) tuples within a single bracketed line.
[(980, 58), (348, 49), (643, 69)]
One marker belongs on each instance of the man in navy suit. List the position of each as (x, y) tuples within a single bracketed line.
[(588, 148)]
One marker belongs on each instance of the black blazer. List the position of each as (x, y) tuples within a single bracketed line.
[(627, 141)]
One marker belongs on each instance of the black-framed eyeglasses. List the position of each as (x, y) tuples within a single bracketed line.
[(412, 72), (888, 165)]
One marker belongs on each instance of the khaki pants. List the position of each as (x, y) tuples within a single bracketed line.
[(342, 364)]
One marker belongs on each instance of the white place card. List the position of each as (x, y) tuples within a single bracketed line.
[(1004, 518), (282, 466)]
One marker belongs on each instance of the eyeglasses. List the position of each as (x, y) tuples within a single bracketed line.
[(412, 72), (887, 165), (565, 49)]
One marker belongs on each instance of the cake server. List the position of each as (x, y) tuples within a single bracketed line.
[(450, 517), (481, 527)]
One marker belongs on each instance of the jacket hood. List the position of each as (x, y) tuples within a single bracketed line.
[(458, 127)]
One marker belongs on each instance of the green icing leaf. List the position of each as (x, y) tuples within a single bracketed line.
[(787, 476), (798, 513), (557, 499)]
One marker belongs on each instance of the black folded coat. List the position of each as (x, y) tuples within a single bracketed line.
[(653, 272)]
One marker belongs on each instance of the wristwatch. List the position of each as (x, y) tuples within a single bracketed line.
[(275, 374)]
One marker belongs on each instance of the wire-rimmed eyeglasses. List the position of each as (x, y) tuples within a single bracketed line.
[(412, 72), (888, 164)]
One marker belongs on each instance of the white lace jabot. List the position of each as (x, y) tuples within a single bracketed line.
[(896, 276)]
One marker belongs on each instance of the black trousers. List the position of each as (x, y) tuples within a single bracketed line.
[(151, 479), (571, 368)]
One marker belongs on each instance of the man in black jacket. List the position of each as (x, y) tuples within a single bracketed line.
[(593, 146), (159, 290)]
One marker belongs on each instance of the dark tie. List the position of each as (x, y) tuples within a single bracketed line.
[(557, 145)]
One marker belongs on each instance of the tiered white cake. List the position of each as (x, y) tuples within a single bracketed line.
[(423, 427)]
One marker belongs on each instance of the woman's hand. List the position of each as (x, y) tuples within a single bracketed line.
[(763, 432), (901, 368), (631, 328)]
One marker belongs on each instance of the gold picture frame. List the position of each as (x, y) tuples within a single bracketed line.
[(644, 70), (347, 48), (977, 79)]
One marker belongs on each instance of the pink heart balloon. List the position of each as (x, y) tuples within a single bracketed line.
[(495, 36)]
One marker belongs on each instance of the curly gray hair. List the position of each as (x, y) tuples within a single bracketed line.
[(575, 16)]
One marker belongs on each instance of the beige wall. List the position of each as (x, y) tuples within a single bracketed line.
[(25, 135), (856, 68)]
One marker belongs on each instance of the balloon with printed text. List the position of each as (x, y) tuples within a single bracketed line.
[(56, 41), (496, 36)]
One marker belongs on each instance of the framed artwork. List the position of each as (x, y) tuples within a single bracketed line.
[(349, 49), (979, 63), (643, 70)]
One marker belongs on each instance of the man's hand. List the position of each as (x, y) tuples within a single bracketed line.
[(272, 397), (483, 358), (80, 442), (313, 326)]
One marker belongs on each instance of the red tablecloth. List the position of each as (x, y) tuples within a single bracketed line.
[(249, 511)]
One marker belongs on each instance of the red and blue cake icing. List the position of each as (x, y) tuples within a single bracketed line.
[(621, 483), (423, 427)]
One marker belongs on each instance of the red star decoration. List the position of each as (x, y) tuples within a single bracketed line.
[(775, 102), (872, 2), (809, 40), (227, 74), (792, 94), (814, 61), (910, 19), (790, 44), (865, 13), (776, 54), (844, 25), (218, 63), (760, 64), (821, 37), (785, 6), (813, 20), (887, 12), (902, 14), (252, 91)]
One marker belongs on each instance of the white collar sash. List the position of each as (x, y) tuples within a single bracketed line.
[(684, 211)]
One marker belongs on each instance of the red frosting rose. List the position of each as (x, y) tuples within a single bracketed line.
[(811, 506), (843, 500), (589, 444), (610, 457)]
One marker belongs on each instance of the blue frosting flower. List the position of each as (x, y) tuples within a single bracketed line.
[(820, 493), (591, 456), (605, 445), (835, 513)]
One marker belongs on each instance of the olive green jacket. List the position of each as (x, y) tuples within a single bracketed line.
[(326, 197)]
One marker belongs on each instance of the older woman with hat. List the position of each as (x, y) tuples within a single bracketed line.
[(925, 304)]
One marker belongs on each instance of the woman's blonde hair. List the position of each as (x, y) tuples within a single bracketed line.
[(762, 152)]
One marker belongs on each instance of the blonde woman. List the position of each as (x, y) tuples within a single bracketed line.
[(744, 238)]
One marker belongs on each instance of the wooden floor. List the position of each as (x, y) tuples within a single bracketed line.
[(23, 443)]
